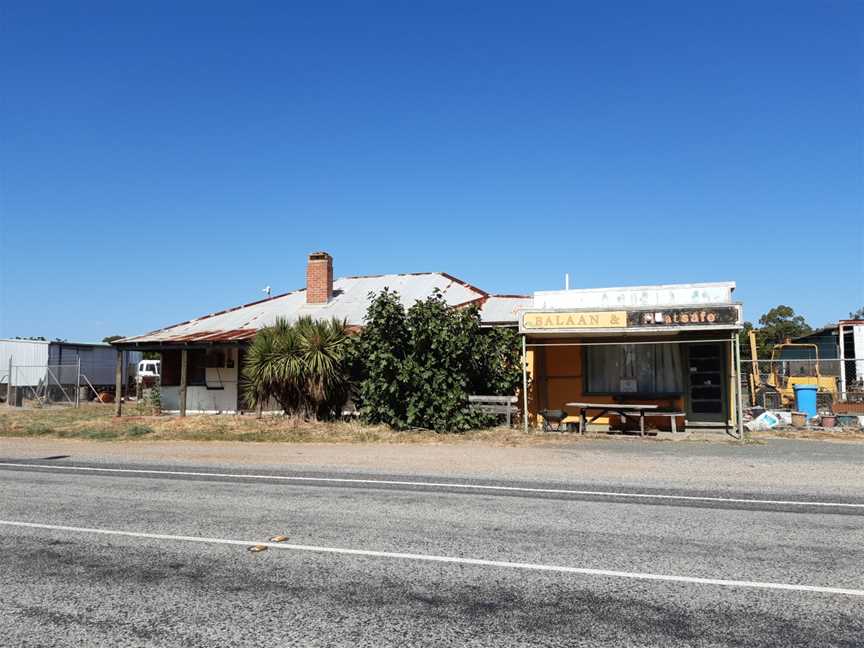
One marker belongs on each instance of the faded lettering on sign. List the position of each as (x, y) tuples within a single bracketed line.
[(575, 320)]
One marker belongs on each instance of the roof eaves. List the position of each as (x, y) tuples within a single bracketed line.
[(464, 283), (209, 315)]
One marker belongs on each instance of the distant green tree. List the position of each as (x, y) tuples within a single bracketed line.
[(781, 323), (111, 338), (777, 325), (744, 340)]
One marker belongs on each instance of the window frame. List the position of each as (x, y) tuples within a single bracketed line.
[(639, 395)]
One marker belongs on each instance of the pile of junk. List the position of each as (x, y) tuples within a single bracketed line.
[(806, 399)]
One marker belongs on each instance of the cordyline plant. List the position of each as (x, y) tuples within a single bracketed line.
[(302, 366)]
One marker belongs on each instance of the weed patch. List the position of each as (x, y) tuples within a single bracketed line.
[(97, 434), (138, 430), (38, 429)]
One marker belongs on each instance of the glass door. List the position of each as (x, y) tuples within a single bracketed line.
[(706, 388)]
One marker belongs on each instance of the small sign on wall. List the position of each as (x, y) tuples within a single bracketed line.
[(629, 386)]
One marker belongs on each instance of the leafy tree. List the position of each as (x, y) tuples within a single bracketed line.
[(303, 366), (744, 339), (497, 362), (781, 323), (440, 365), (858, 314), (110, 338), (776, 326), (378, 361), (419, 366)]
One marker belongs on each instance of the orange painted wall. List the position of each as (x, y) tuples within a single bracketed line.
[(558, 378)]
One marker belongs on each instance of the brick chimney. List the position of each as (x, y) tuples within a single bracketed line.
[(319, 278)]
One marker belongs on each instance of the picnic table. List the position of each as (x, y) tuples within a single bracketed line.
[(622, 409)]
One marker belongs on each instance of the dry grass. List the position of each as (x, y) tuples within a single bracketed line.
[(824, 434), (97, 422)]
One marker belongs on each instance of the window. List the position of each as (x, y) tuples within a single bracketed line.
[(215, 358), (633, 368), (197, 362)]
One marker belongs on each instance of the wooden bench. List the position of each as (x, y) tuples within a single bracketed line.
[(505, 405), (603, 409), (673, 417)]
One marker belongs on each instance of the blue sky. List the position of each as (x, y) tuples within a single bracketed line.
[(163, 160)]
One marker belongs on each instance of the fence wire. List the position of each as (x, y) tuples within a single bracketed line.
[(771, 383), (42, 386)]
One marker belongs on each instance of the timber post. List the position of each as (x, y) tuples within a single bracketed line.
[(183, 362), (118, 384), (524, 386), (9, 385)]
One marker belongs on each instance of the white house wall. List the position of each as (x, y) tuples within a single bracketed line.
[(201, 399), (218, 396)]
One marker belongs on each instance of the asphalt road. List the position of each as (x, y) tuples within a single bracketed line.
[(74, 587)]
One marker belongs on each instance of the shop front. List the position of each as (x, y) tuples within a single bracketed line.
[(671, 351)]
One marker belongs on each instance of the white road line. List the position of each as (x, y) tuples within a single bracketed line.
[(469, 487), (794, 587)]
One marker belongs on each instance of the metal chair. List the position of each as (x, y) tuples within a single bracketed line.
[(553, 420)]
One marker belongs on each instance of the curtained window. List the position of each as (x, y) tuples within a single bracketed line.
[(633, 368)]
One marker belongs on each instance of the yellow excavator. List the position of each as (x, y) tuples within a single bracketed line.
[(778, 391)]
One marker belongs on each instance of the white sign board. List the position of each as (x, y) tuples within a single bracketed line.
[(637, 296)]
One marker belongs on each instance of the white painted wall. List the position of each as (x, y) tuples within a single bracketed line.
[(218, 396), (200, 400), (208, 399), (30, 358)]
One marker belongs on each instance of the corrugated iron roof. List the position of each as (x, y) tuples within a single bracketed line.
[(502, 309), (349, 302)]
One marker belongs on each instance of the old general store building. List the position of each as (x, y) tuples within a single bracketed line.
[(670, 346)]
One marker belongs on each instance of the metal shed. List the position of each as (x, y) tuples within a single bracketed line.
[(30, 358), (98, 361)]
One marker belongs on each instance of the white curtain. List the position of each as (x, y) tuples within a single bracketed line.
[(655, 368)]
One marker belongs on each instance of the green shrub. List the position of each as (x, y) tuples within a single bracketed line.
[(96, 434)]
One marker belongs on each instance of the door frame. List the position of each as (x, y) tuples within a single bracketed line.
[(700, 417)]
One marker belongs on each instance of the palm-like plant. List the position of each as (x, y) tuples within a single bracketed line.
[(302, 366)]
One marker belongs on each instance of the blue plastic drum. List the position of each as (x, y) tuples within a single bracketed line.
[(805, 399)]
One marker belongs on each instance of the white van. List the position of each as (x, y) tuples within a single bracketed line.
[(148, 371)]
